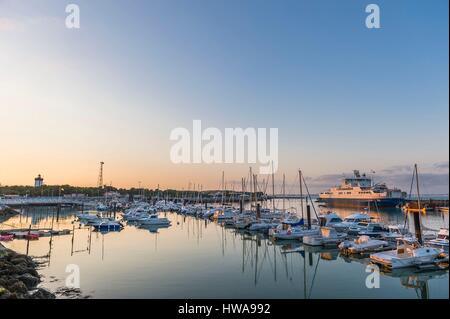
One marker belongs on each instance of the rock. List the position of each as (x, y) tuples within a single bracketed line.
[(19, 260), (18, 287), (42, 293), (29, 280), (18, 275)]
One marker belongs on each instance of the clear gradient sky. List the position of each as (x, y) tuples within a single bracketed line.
[(343, 97)]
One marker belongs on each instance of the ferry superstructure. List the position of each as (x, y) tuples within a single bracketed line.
[(359, 191)]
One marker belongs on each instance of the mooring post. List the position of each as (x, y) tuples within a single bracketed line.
[(258, 211), (308, 215), (58, 209), (28, 239), (417, 226)]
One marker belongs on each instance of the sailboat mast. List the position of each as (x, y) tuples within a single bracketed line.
[(273, 189), (417, 182), (301, 191), (223, 186), (284, 192), (417, 225)]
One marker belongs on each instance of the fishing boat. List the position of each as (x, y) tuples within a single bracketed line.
[(443, 209), (351, 221), (328, 237), (407, 254), (362, 244), (154, 220), (359, 191), (441, 241)]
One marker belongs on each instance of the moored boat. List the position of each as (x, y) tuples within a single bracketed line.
[(154, 220), (441, 240), (359, 191), (407, 254), (328, 237), (362, 244)]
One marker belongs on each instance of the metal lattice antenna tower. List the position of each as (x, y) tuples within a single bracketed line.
[(100, 176)]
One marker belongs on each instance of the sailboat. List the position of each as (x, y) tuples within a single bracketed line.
[(409, 253), (285, 231)]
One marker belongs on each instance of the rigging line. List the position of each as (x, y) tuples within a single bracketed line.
[(309, 196), (412, 184)]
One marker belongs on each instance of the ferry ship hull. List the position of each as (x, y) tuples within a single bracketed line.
[(361, 203)]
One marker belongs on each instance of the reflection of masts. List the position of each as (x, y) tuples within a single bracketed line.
[(90, 240), (274, 263), (420, 286), (314, 276), (256, 264), (73, 238)]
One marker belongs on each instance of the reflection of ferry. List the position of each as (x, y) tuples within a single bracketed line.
[(359, 191)]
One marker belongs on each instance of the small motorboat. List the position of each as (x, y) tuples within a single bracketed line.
[(6, 237), (374, 230), (395, 232), (287, 232), (328, 237), (242, 222), (354, 230), (154, 220), (329, 219), (32, 236), (107, 226), (223, 214), (407, 254), (262, 225), (293, 220), (351, 221), (87, 217), (441, 241), (102, 207), (362, 244)]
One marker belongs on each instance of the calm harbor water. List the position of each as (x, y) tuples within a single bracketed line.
[(200, 259)]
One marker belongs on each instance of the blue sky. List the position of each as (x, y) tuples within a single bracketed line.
[(342, 96)]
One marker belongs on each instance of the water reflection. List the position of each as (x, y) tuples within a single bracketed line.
[(197, 258)]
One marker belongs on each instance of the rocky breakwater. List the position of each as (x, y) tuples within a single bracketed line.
[(6, 213), (19, 278)]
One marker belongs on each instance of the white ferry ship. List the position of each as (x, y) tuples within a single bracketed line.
[(359, 191)]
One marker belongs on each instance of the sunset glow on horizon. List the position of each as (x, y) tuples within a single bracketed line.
[(342, 97)]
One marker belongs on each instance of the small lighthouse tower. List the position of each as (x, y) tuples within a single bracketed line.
[(38, 181)]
